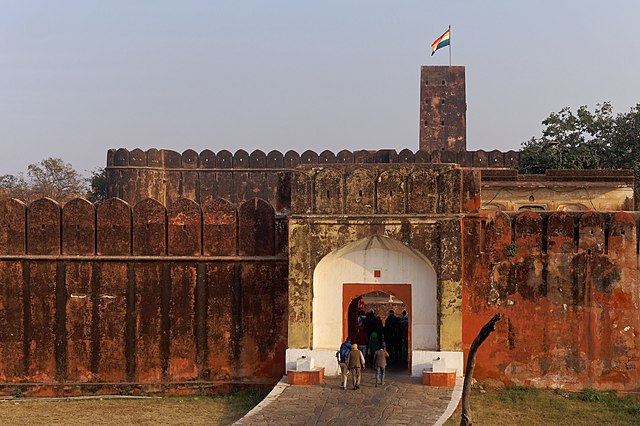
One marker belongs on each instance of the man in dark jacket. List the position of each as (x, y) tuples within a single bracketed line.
[(380, 363), (341, 357), (355, 362)]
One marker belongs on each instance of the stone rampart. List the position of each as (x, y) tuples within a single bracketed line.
[(166, 175), (109, 294), (567, 284)]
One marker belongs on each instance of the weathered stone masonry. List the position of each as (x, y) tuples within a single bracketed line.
[(419, 205), (187, 294), (166, 175), (113, 294), (568, 286)]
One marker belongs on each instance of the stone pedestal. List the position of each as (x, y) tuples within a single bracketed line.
[(310, 377), (430, 378)]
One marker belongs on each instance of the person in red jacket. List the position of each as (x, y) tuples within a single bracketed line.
[(362, 340)]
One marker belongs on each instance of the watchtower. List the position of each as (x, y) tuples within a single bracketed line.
[(443, 108)]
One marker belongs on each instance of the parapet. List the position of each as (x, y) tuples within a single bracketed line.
[(166, 175), (390, 189), (114, 228), (503, 234), (581, 175), (190, 159)]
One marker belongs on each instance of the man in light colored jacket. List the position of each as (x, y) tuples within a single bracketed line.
[(355, 362)]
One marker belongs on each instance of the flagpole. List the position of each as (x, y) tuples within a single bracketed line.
[(449, 46)]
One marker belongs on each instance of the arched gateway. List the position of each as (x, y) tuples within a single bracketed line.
[(374, 264), (356, 230)]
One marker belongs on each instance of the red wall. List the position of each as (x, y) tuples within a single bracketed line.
[(567, 284), (113, 294)]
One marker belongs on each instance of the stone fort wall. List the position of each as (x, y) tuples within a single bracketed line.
[(166, 175), (568, 286), (112, 294), (197, 292)]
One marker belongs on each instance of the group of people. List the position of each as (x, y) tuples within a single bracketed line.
[(370, 346), (352, 361), (394, 332)]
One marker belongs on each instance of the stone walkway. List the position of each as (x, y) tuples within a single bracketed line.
[(402, 401)]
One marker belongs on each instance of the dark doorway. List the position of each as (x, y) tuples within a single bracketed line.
[(370, 323)]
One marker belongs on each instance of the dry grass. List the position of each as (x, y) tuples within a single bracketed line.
[(533, 407), (184, 410)]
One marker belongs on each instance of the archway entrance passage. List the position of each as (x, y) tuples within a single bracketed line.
[(360, 322), (373, 264)]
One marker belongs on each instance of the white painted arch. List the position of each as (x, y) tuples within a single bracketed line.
[(355, 263)]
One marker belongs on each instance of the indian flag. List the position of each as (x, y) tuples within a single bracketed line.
[(441, 41)]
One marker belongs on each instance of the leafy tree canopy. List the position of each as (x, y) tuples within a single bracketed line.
[(97, 185), (585, 140)]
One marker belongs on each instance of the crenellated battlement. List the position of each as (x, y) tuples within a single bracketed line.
[(166, 175), (503, 234), (241, 159), (114, 228), (385, 189), (218, 228)]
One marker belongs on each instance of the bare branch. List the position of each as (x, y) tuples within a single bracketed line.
[(471, 363)]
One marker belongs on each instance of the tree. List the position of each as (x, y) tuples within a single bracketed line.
[(51, 178), (97, 185), (586, 140), (14, 186), (622, 148)]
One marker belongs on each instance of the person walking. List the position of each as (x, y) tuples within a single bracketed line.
[(362, 339), (404, 327), (355, 362), (372, 347), (380, 363), (341, 357)]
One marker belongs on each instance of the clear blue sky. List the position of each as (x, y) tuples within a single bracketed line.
[(79, 77)]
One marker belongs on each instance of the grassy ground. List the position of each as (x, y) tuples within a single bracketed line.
[(174, 410), (532, 407)]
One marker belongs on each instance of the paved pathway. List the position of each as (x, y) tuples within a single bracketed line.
[(402, 401)]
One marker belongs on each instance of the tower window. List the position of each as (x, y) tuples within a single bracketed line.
[(426, 82), (442, 101), (426, 122), (443, 82), (442, 123)]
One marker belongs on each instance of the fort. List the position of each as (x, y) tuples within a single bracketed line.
[(213, 270)]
